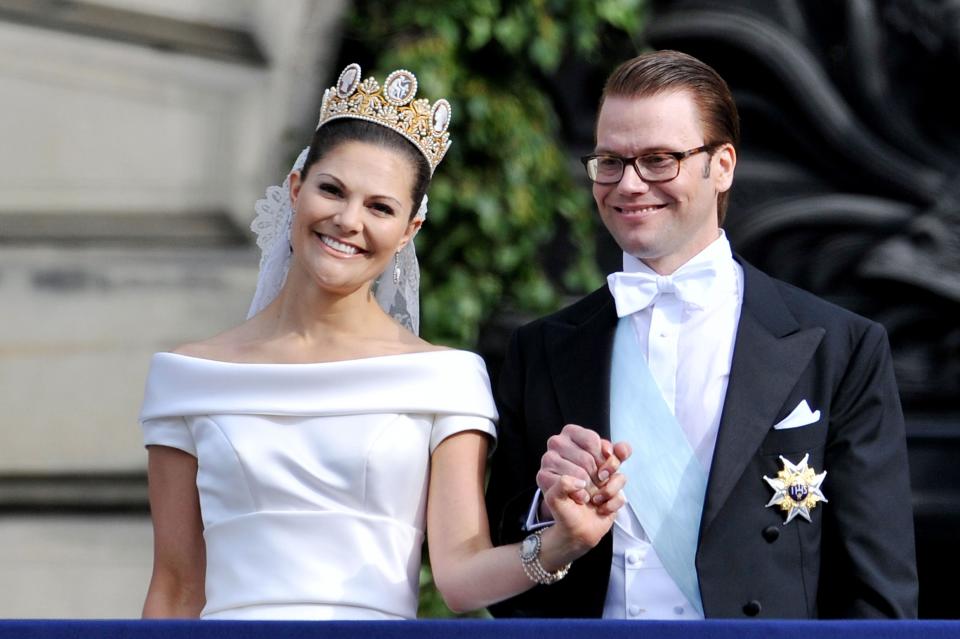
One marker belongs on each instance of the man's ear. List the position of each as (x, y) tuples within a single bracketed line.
[(725, 160)]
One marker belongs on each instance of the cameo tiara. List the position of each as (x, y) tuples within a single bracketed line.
[(392, 106)]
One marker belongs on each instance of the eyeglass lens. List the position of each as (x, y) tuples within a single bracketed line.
[(653, 168)]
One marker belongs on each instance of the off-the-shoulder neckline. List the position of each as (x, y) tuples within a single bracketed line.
[(372, 358)]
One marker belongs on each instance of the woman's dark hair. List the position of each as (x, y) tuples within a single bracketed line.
[(336, 132)]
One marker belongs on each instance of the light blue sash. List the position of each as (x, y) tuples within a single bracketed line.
[(665, 482)]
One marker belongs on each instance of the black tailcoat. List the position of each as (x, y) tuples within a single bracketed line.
[(855, 559)]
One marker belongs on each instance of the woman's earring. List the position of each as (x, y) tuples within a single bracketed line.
[(396, 269)]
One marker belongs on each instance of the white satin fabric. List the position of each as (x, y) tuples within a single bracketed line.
[(313, 477)]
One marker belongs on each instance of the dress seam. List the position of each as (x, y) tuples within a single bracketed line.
[(254, 501)]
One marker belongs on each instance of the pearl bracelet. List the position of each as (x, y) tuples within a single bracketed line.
[(530, 560)]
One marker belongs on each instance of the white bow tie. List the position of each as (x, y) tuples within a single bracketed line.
[(634, 292)]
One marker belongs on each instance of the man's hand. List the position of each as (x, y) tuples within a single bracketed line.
[(582, 454)]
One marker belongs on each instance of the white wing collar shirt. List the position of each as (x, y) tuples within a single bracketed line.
[(686, 324)]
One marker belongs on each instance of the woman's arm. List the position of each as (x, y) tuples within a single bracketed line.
[(179, 559), (469, 572)]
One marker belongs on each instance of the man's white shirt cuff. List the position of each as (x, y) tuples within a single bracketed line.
[(533, 515)]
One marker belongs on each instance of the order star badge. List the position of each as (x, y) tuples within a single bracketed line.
[(796, 488)]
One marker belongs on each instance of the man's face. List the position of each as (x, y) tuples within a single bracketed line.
[(666, 223)]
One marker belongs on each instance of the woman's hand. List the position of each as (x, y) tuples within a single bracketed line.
[(579, 524)]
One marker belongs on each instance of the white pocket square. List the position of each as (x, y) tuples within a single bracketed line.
[(801, 416)]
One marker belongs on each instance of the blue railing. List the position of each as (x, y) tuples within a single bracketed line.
[(479, 629)]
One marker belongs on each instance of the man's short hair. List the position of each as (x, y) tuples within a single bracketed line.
[(658, 72)]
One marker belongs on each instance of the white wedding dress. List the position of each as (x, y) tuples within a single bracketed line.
[(313, 477)]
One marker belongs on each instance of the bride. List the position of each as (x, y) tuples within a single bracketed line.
[(297, 461)]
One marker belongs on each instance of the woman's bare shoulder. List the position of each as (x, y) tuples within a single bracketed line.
[(229, 346), (410, 343)]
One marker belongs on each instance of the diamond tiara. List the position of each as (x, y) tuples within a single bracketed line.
[(392, 106)]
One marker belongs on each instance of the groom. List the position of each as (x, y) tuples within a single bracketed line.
[(769, 468)]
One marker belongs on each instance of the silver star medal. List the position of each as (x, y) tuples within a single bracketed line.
[(796, 489)]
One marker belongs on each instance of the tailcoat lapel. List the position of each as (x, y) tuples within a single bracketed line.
[(769, 356), (579, 355)]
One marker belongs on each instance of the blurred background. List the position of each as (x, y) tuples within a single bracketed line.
[(135, 136)]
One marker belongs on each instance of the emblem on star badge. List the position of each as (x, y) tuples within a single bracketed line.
[(796, 489)]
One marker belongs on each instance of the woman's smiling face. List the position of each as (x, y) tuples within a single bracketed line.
[(351, 215)]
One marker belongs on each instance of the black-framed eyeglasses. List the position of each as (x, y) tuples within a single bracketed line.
[(661, 166)]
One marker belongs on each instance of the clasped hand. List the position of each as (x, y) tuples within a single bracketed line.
[(581, 486)]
